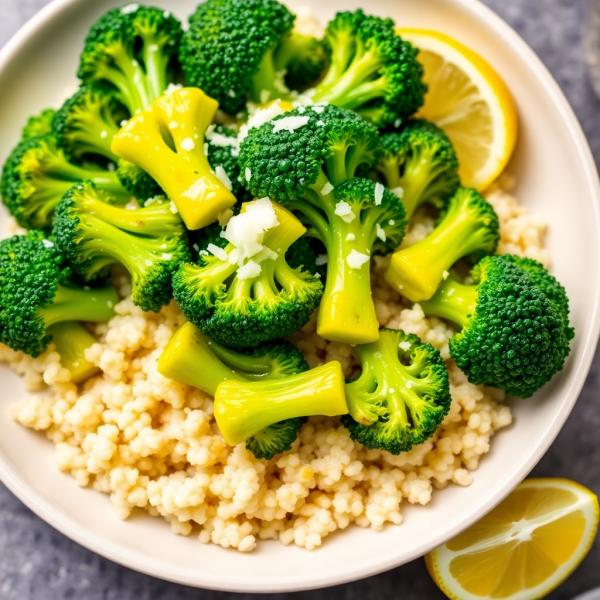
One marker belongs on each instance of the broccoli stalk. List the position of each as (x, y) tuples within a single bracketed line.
[(191, 358), (243, 410), (149, 242), (184, 173), (71, 340), (301, 57), (131, 51), (38, 125), (401, 396), (312, 170), (512, 336), (36, 176), (35, 294), (373, 70), (419, 164), (243, 300), (468, 227), (87, 123)]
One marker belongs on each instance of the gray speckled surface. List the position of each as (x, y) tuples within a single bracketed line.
[(38, 563)]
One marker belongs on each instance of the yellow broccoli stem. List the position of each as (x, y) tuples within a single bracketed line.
[(453, 301), (72, 339), (184, 173), (244, 409)]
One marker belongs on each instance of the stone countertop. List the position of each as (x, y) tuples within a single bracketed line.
[(38, 563)]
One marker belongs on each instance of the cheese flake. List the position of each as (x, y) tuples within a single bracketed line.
[(290, 124), (356, 259)]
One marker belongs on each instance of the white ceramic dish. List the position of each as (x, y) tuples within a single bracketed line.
[(557, 180)]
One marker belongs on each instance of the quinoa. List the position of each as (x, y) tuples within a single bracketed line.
[(152, 444)]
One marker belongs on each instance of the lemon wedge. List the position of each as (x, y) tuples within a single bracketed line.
[(529, 544), (470, 102)]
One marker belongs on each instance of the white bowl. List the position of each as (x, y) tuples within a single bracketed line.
[(557, 181)]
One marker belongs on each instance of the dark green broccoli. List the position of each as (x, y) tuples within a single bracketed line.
[(468, 227), (149, 242), (302, 58), (419, 164), (38, 125), (35, 294), (548, 284), (191, 358), (36, 176), (87, 123), (242, 299), (512, 336), (248, 410), (137, 182), (229, 50), (307, 159), (372, 70), (223, 152), (132, 50), (401, 396)]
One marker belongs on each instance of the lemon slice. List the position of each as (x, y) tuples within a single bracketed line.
[(470, 102), (524, 548)]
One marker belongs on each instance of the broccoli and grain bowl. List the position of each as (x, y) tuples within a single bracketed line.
[(257, 287)]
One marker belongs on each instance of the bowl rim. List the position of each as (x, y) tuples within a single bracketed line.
[(55, 517)]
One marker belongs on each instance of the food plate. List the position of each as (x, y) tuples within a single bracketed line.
[(557, 181)]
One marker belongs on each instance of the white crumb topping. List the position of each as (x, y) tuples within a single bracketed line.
[(188, 144), (356, 259), (379, 189), (327, 189), (344, 210), (290, 124), (250, 270), (350, 237), (321, 260), (381, 233), (223, 177), (129, 8), (217, 252), (404, 346)]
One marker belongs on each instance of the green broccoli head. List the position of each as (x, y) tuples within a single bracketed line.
[(137, 182), (373, 70), (302, 58), (35, 293), (87, 122), (242, 297), (401, 396), (419, 164), (149, 242), (548, 284), (468, 228), (228, 50), (38, 125), (223, 153), (512, 336), (36, 176), (275, 439), (308, 146), (132, 50)]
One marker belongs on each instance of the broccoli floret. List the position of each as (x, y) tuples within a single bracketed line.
[(512, 336), (38, 125), (229, 50), (87, 123), (223, 153), (132, 52), (372, 71), (191, 358), (36, 176), (468, 227), (247, 294), (245, 409), (419, 164), (548, 284), (149, 242), (308, 159), (71, 340), (184, 172), (401, 396), (302, 58), (137, 182), (35, 294)]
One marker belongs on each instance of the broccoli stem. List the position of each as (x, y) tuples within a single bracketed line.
[(79, 304), (453, 301), (156, 64), (72, 339), (267, 84), (96, 137), (342, 50), (417, 271), (242, 410)]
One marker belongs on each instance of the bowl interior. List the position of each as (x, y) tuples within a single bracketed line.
[(556, 181)]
